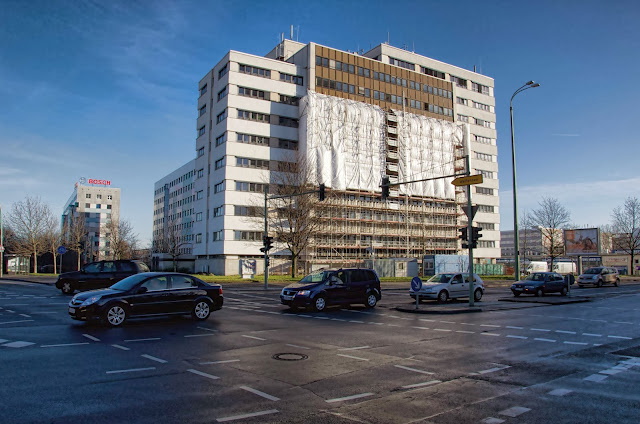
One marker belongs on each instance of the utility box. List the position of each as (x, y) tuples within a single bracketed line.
[(438, 264)]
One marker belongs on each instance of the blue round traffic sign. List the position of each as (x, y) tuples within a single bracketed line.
[(62, 250), (416, 284)]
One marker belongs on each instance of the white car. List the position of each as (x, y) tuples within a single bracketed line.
[(450, 286)]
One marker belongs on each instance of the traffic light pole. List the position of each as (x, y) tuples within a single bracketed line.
[(470, 230), (266, 234)]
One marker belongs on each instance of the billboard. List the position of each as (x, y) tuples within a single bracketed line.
[(581, 242)]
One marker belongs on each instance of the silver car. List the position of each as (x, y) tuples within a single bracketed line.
[(598, 276), (450, 286)]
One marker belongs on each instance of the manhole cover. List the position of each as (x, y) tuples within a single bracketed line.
[(289, 356)]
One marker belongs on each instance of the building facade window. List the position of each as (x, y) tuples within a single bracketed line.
[(218, 187), (247, 211), (200, 172), (486, 174), (219, 163), (458, 81), (250, 187), (221, 116), (223, 93), (202, 130), (201, 152), (217, 235), (483, 89), (252, 139), (247, 235), (202, 110), (254, 70), (462, 101), (87, 196), (487, 225), (287, 122), (463, 118), (198, 238), (484, 156), (221, 139), (219, 211), (486, 208), (250, 92), (203, 90), (483, 140), (484, 190), (432, 72), (199, 217), (486, 243), (402, 63), (199, 194), (483, 123), (252, 163), (289, 100), (222, 72), (287, 144), (293, 79), (252, 116), (482, 106)]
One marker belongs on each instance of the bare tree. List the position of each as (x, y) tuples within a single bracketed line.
[(121, 240), (171, 242), (625, 222), (75, 235), (28, 219), (527, 225), (52, 239), (552, 218), (294, 223)]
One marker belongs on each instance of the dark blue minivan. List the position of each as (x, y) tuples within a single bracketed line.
[(342, 286)]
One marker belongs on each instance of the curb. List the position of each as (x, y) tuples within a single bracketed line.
[(28, 281)]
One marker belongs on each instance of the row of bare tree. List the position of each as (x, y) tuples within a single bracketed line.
[(552, 217), (32, 229)]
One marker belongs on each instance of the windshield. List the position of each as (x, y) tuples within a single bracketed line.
[(593, 271), (536, 276), (128, 283), (440, 278), (318, 277)]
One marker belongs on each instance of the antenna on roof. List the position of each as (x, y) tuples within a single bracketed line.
[(388, 42), (291, 33), (297, 32)]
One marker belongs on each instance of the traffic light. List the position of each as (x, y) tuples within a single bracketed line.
[(463, 233), (385, 187), (475, 234), (266, 241), (321, 193)]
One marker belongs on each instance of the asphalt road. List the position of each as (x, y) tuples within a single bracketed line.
[(256, 362)]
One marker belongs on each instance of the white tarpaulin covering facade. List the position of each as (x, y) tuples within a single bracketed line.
[(345, 142)]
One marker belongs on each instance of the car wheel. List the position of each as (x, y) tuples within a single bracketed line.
[(599, 283), (539, 293), (115, 315), (617, 283), (320, 303), (443, 296), (201, 310), (477, 295), (67, 288), (563, 292), (516, 294), (371, 300)]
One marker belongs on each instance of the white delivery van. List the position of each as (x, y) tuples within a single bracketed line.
[(564, 267), (536, 266)]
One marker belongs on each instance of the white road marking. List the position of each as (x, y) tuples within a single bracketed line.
[(559, 392), (592, 334), (65, 344), (448, 322), (491, 420), (540, 329), (465, 332), (17, 344), (203, 374), (131, 370), (596, 377), (413, 369), (565, 332), (355, 348), (377, 323), (321, 317), (490, 370), (610, 371), (421, 328), (47, 312), (9, 310), (352, 357), (15, 322), (3, 340), (491, 334), (622, 322), (517, 337), (514, 411), (427, 320), (441, 329), (338, 319), (227, 361), (253, 337), (620, 337), (467, 323), (545, 340), (361, 395), (299, 347), (208, 329), (514, 327), (259, 393), (304, 316), (120, 347), (426, 383), (243, 416), (142, 340), (358, 322), (153, 358), (25, 315), (576, 343), (90, 337), (16, 304), (199, 335), (490, 325)]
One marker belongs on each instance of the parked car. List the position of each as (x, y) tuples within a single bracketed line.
[(46, 269), (541, 283), (148, 294), (598, 276), (333, 287), (450, 286), (98, 275)]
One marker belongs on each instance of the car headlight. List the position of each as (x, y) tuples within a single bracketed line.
[(595, 277), (91, 300), (303, 293)]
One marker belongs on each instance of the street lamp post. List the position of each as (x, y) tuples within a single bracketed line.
[(516, 244)]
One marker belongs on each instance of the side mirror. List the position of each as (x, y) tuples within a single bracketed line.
[(141, 290)]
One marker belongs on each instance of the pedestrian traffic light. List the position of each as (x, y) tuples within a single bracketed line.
[(463, 233), (321, 193), (385, 187), (266, 241)]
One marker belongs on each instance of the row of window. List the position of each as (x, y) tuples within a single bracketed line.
[(484, 156), (98, 196), (402, 63), (484, 190), (252, 163), (97, 206), (483, 140), (477, 121)]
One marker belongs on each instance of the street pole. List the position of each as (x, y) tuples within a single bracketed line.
[(1, 245), (516, 236), (469, 218), (266, 234)]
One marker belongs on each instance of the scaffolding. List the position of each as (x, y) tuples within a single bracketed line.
[(349, 147)]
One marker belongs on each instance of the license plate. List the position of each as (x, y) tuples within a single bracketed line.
[(287, 297), (517, 289), (72, 310)]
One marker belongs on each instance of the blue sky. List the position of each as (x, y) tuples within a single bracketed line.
[(108, 89)]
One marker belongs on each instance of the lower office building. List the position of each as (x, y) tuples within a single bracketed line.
[(351, 119)]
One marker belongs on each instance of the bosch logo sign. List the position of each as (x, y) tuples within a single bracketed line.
[(99, 182)]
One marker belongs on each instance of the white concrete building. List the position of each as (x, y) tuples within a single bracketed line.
[(256, 112)]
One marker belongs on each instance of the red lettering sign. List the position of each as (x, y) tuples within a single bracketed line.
[(99, 182)]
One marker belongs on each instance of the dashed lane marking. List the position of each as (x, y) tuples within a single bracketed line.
[(17, 344), (65, 344), (576, 343), (352, 357), (357, 322), (259, 393), (559, 392), (200, 335), (254, 337), (465, 332), (148, 339), (540, 329), (592, 334), (245, 416), (620, 337), (492, 420), (90, 337), (610, 371), (25, 315), (130, 370), (565, 332), (355, 348), (208, 329), (225, 361), (441, 329), (153, 358), (421, 328), (491, 334), (511, 336), (490, 325), (622, 322), (413, 369), (596, 378), (545, 340), (203, 374), (514, 411), (117, 346), (513, 327), (426, 383), (352, 397)]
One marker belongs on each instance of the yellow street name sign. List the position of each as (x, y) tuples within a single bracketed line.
[(463, 181)]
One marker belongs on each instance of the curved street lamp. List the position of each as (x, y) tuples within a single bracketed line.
[(516, 237)]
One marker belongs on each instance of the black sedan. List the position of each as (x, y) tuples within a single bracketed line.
[(148, 294), (541, 283)]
